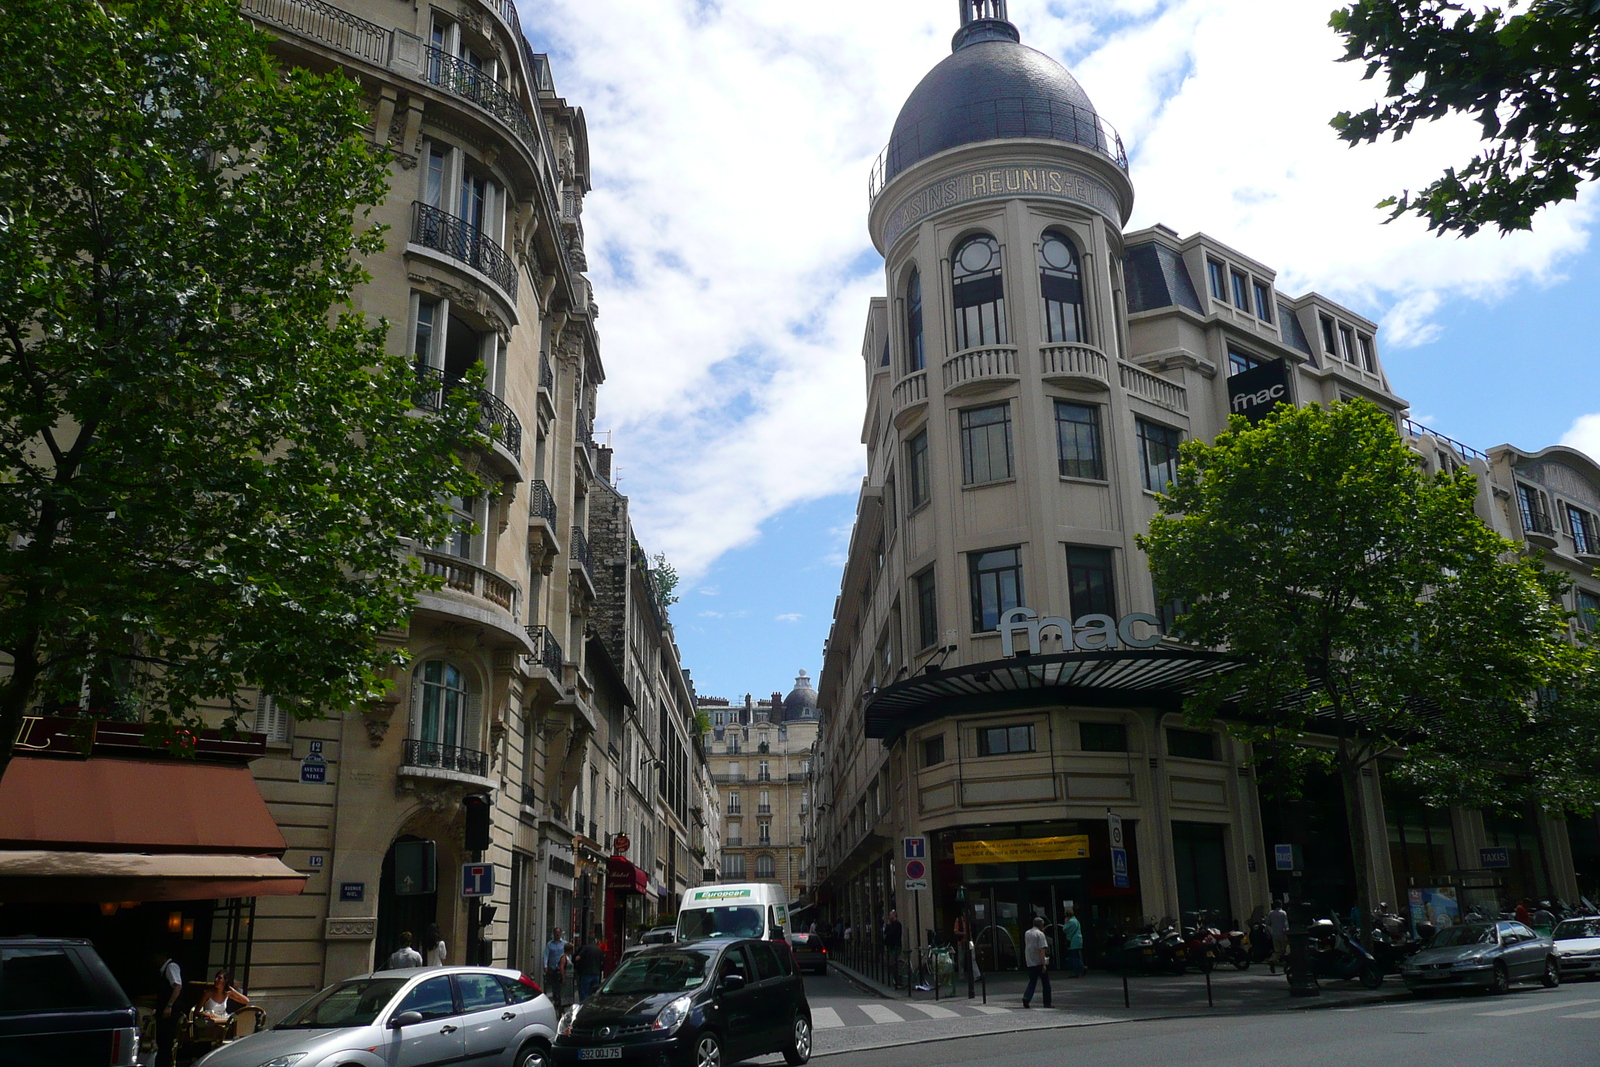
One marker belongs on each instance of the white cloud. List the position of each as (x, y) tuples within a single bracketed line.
[(1584, 435), (727, 228), (791, 617)]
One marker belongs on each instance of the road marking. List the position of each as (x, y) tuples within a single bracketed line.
[(1443, 1007), (825, 1019), (933, 1011), (880, 1014), (1584, 1015), (1540, 1007), (989, 1009)]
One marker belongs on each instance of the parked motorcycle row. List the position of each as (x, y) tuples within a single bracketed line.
[(1164, 947)]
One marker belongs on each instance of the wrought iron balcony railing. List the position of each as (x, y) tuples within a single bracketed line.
[(496, 420), (322, 22), (547, 377), (546, 649), (460, 78), (541, 502), (579, 550), (455, 237), (433, 755)]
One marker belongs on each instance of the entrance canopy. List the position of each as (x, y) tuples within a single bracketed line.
[(137, 830), (1119, 678)]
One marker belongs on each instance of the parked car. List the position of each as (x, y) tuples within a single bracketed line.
[(809, 952), (1577, 944), (59, 1005), (409, 1018), (1488, 956), (703, 1003)]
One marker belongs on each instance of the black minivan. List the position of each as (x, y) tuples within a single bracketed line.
[(692, 1004)]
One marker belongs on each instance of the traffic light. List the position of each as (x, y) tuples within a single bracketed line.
[(477, 808)]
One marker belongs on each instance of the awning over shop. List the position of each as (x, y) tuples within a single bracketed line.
[(1153, 677), (624, 877), (121, 829)]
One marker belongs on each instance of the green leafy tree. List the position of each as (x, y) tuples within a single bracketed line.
[(212, 466), (1370, 605), (666, 579), (1530, 78)]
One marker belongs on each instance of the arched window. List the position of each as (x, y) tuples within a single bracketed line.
[(979, 293), (1061, 284), (765, 867), (916, 357), (443, 705)]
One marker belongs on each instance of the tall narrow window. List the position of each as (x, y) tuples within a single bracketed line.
[(1263, 302), (463, 542), (1061, 285), (986, 444), (441, 720), (272, 719), (433, 187), (1239, 362), (927, 610), (916, 356), (1589, 610), (979, 293), (1347, 344), (1158, 455), (1583, 531), (422, 337), (1327, 336), (474, 200), (996, 585), (917, 468), (1215, 271), (1535, 511), (1368, 362), (1090, 586), (1241, 291), (1078, 440)]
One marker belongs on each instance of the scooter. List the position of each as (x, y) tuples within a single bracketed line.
[(1331, 954)]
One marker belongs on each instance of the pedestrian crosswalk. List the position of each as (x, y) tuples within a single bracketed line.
[(867, 1013)]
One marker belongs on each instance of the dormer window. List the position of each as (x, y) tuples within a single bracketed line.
[(1369, 362), (1215, 272), (1328, 344), (1263, 301), (1241, 291)]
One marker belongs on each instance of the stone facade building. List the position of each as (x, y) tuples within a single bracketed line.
[(1029, 377), (760, 755)]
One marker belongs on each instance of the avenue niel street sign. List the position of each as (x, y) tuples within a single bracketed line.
[(1089, 632)]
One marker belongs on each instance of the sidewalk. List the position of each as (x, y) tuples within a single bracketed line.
[(1100, 993)]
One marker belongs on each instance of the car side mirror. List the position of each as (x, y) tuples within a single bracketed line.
[(732, 983), (405, 1018)]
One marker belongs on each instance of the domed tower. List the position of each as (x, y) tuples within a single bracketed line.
[(801, 703)]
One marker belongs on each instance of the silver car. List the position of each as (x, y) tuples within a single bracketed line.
[(1578, 946), (409, 1018), (1487, 956)]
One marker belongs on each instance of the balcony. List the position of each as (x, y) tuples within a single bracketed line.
[(496, 420), (460, 78), (580, 554), (977, 369), (326, 24), (457, 239), (546, 650), (763, 809), (432, 756), (1155, 389), (465, 576), (542, 524), (909, 394), (736, 776), (1075, 365)]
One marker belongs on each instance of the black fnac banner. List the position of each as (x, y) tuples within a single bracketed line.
[(1255, 392)]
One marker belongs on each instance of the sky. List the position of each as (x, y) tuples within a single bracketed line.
[(726, 233)]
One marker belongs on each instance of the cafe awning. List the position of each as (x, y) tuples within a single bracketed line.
[(623, 877), (126, 829)]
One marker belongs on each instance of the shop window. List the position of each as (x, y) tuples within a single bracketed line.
[(933, 751), (1005, 740), (1103, 736), (1191, 744), (1421, 842)]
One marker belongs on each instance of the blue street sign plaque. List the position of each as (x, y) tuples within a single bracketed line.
[(352, 890), (1283, 857), (1494, 858), (477, 879)]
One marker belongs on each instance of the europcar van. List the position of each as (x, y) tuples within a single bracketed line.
[(740, 909)]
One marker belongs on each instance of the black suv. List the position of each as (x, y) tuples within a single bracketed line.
[(59, 1005), (694, 1004)]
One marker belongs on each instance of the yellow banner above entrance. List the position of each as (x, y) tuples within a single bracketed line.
[(1024, 849)]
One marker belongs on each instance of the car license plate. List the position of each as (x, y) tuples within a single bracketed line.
[(1432, 975), (599, 1054)]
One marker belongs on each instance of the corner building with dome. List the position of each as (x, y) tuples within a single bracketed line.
[(1029, 378)]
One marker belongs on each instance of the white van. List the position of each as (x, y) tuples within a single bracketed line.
[(740, 909)]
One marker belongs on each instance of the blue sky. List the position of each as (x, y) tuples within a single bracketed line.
[(727, 241)]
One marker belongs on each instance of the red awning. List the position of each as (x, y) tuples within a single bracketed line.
[(624, 877), (114, 829)]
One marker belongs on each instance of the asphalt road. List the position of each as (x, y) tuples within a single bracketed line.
[(1531, 1027)]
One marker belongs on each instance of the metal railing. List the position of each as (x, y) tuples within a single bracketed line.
[(546, 649), (547, 377), (468, 577), (583, 431), (763, 809), (496, 420), (1416, 429), (1154, 388), (325, 23), (579, 551), (542, 502), (990, 120), (1074, 361), (462, 79), (530, 796), (993, 361), (455, 237), (445, 757)]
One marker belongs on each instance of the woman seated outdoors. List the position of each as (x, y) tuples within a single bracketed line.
[(216, 1006)]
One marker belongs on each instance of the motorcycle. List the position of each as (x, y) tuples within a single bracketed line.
[(1331, 954), (1234, 946), (1260, 942), (1201, 945), (1155, 950)]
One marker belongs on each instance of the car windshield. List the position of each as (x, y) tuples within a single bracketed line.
[(1463, 935), (353, 1003), (659, 972), (732, 921), (1574, 928)]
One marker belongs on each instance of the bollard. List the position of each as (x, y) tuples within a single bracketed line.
[(1124, 986), (1209, 1002)]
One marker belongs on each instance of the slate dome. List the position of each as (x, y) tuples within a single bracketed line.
[(992, 86), (801, 703)]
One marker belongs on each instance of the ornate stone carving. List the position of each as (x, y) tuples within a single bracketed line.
[(351, 929)]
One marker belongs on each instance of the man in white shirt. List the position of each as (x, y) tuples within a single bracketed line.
[(404, 956), (1036, 955), (1278, 926)]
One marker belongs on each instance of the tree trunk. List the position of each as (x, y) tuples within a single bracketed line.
[(15, 693), (1350, 777)]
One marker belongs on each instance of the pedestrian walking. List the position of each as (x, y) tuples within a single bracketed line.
[(433, 942), (405, 956), (893, 936), (590, 963), (1278, 927), (1072, 936), (555, 966), (1036, 954), (167, 1020)]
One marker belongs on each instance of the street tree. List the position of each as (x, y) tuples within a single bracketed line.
[(1377, 619), (1531, 79), (213, 467)]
